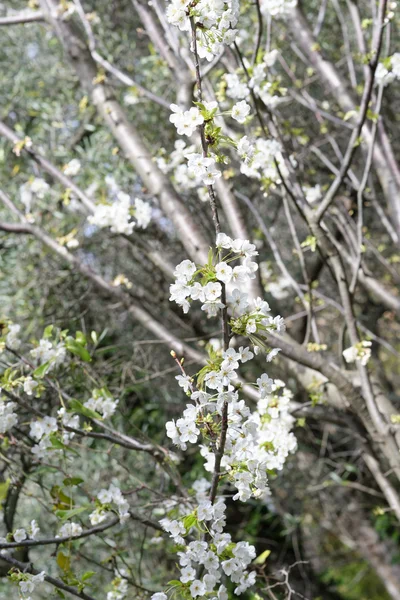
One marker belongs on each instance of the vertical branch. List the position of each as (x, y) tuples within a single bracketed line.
[(219, 452)]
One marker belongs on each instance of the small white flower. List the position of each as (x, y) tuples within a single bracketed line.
[(72, 168), (360, 352), (223, 272), (30, 385), (197, 588), (240, 111), (19, 535)]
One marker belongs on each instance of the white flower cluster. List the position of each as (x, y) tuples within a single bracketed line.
[(105, 405), (312, 194), (361, 352), (202, 168), (70, 530), (40, 431), (237, 87), (120, 586), (186, 121), (260, 160), (30, 385), (254, 442), (190, 170), (216, 20), (177, 162), (12, 339), (213, 558), (72, 168), (278, 8), (186, 288), (108, 497), (34, 189), (8, 418), (389, 71), (28, 583), (260, 440), (22, 534), (47, 351), (259, 81), (118, 217)]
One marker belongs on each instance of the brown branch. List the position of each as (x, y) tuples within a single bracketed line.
[(60, 540), (28, 568), (22, 17)]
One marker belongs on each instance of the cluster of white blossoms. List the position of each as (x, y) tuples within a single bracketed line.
[(360, 352), (41, 430), (49, 352), (256, 442), (388, 71), (203, 283), (262, 160), (204, 562), (12, 340), (120, 586), (30, 385), (177, 164), (200, 169), (189, 176), (214, 20), (21, 534), (278, 8), (102, 403), (186, 121), (106, 500), (118, 215), (237, 86), (27, 582), (8, 418), (72, 168), (312, 194), (70, 530), (33, 189)]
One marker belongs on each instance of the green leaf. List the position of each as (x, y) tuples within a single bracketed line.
[(260, 560), (64, 561), (189, 521), (64, 515), (56, 442), (76, 348), (78, 407), (48, 331), (70, 481), (42, 370), (88, 575), (174, 582), (210, 257), (80, 338), (61, 499), (4, 489)]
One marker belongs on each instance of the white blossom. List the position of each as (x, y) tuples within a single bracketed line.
[(240, 111), (19, 535), (360, 352), (72, 168)]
